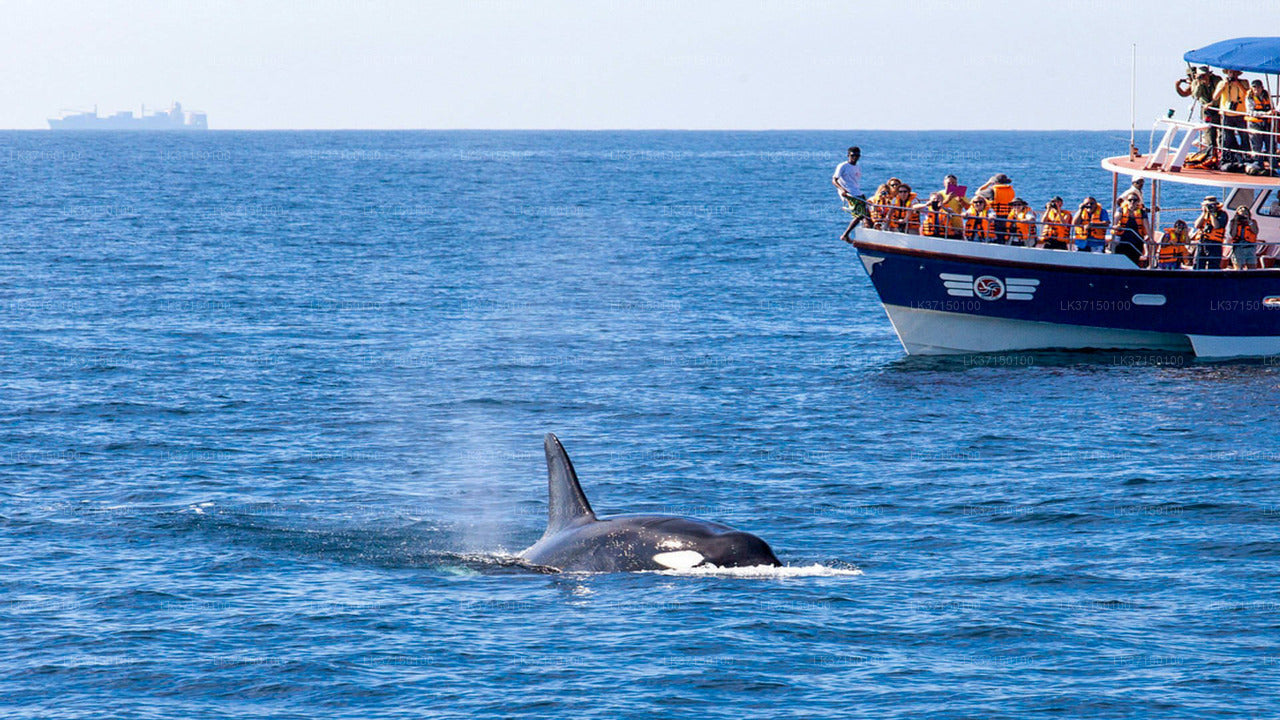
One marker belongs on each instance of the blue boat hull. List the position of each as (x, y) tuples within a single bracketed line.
[(950, 296)]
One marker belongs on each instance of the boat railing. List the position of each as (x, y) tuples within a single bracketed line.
[(1181, 138), (1172, 151), (1098, 236)]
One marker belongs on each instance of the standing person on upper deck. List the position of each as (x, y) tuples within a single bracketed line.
[(999, 192), (848, 181), (1210, 228), (1230, 98), (1261, 124), (1202, 90), (1243, 232)]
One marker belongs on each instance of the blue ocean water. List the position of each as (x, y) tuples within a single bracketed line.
[(271, 409)]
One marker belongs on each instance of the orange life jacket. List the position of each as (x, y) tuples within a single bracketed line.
[(977, 225), (1002, 196), (876, 205), (1055, 225), (1261, 105), (1173, 245), (1124, 217), (1024, 224), (1244, 233), (935, 224), (900, 214), (1089, 226), (1214, 235)]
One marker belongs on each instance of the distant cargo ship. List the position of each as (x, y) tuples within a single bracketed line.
[(175, 118)]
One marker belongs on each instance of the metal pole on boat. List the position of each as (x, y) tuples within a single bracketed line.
[(1133, 95), (1153, 250), (1115, 192)]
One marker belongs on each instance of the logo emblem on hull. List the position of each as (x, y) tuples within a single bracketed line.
[(989, 287)]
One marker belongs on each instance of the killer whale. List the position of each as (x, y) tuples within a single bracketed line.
[(577, 541)]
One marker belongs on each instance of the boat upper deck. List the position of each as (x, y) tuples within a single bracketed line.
[(1137, 167)]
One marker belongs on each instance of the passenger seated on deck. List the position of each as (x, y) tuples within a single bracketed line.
[(1130, 230), (1243, 232), (1173, 252), (977, 221), (1056, 230), (877, 206), (935, 218), (1210, 228), (901, 218), (1090, 226), (1022, 223)]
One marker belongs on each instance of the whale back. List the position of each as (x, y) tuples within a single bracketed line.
[(567, 506)]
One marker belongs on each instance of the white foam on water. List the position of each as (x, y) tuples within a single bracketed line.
[(767, 571)]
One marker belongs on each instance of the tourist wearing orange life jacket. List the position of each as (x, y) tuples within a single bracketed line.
[(1260, 123), (1130, 230), (999, 194), (1173, 251), (978, 221), (1022, 224), (1210, 229), (901, 217), (1056, 230), (935, 220), (1090, 226), (876, 206), (1243, 232)]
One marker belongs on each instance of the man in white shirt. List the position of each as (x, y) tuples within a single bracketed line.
[(848, 181)]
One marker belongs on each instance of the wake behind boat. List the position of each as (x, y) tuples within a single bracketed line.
[(957, 282)]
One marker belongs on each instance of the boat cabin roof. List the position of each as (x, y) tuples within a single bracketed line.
[(1247, 54)]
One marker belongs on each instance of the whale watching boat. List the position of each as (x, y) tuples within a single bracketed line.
[(946, 293)]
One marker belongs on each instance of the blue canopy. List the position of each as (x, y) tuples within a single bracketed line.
[(1251, 54)]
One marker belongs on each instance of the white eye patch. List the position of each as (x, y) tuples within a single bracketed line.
[(678, 560)]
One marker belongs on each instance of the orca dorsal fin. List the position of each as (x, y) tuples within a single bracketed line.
[(566, 504)]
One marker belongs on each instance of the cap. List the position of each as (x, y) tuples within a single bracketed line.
[(1209, 200)]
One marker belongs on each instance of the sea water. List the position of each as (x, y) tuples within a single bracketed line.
[(271, 418)]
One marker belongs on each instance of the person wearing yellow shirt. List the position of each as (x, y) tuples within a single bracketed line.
[(1230, 96)]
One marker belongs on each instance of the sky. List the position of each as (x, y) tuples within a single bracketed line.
[(580, 64)]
